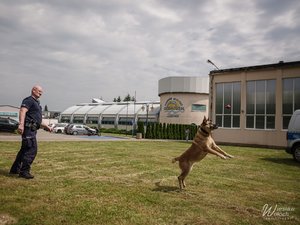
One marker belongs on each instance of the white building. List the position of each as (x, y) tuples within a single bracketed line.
[(120, 115), (184, 100)]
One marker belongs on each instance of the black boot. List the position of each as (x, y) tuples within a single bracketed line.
[(26, 175)]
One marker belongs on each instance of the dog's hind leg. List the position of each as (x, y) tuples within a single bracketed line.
[(185, 169)]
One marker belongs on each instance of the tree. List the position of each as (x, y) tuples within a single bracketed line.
[(127, 98), (46, 108), (141, 128)]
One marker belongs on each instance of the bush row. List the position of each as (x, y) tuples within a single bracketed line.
[(167, 131)]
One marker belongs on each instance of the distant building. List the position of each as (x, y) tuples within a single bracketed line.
[(184, 100), (119, 115), (253, 105), (9, 111)]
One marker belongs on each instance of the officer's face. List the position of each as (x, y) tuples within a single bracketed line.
[(37, 92)]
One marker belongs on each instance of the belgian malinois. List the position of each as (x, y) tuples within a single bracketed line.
[(203, 144)]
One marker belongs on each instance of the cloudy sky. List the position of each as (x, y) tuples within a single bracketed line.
[(77, 50)]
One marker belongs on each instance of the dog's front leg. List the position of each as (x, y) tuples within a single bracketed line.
[(217, 148), (214, 152)]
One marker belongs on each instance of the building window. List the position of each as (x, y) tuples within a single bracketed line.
[(108, 120), (260, 104), (65, 119), (78, 119), (228, 104), (290, 99), (198, 108), (92, 120), (125, 121)]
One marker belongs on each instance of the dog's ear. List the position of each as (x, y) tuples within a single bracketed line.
[(204, 119)]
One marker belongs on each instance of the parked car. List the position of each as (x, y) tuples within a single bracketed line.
[(59, 128), (8, 125), (76, 129), (67, 128), (293, 136)]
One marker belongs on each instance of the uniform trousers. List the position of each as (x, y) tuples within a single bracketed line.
[(26, 154)]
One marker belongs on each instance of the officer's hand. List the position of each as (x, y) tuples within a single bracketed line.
[(49, 128), (20, 129)]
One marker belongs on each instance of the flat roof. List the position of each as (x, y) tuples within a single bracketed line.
[(278, 65)]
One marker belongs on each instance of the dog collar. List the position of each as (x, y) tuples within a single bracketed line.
[(204, 131)]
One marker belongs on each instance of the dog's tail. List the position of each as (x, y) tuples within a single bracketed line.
[(175, 159)]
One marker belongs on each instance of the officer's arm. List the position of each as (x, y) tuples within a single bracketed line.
[(22, 115), (43, 124)]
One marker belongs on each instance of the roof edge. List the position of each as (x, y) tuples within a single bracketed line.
[(280, 64)]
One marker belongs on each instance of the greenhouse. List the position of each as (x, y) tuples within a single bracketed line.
[(119, 115)]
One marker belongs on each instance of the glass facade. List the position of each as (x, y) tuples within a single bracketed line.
[(290, 99), (228, 104), (260, 104)]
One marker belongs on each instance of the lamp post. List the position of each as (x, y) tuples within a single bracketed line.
[(147, 111), (209, 61), (126, 118)]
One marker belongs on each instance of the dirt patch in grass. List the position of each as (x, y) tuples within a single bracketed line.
[(6, 219)]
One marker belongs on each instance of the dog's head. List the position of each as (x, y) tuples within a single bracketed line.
[(207, 125)]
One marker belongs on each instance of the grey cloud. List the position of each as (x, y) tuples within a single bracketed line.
[(78, 50)]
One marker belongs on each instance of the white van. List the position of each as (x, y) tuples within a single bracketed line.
[(293, 136)]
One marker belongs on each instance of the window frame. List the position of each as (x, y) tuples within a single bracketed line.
[(256, 116), (287, 116), (233, 115)]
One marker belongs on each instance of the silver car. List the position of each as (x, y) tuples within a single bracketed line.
[(76, 129)]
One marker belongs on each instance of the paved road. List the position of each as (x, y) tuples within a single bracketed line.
[(46, 136)]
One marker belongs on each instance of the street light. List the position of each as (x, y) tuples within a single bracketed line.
[(209, 61), (147, 110)]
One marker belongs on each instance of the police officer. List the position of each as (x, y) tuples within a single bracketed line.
[(30, 119)]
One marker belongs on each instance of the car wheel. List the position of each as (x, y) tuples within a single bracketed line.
[(296, 152), (59, 131), (75, 133)]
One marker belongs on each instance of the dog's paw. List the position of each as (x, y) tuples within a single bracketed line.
[(223, 157), (230, 156)]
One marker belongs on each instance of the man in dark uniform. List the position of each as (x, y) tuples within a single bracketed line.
[(30, 117)]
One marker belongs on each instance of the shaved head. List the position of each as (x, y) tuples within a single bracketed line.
[(36, 91)]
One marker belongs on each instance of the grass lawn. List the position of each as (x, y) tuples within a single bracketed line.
[(134, 182)]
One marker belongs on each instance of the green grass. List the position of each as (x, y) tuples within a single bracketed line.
[(134, 182)]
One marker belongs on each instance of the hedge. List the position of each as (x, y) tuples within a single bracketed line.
[(170, 131)]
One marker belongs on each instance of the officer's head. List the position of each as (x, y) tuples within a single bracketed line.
[(36, 91)]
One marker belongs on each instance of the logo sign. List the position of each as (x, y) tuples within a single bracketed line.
[(275, 212), (173, 107)]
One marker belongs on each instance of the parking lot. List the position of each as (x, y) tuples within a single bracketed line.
[(46, 136)]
